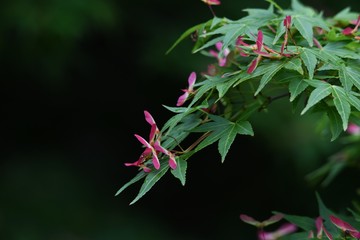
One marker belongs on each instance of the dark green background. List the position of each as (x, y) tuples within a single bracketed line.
[(76, 76)]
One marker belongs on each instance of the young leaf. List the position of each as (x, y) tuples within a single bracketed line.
[(335, 169), (296, 87), (180, 171), (137, 178), (349, 76), (341, 104), (242, 127), (208, 44), (300, 8), (223, 87), (355, 214), (353, 100), (233, 34), (260, 70), (316, 83), (279, 32), (305, 223), (345, 79), (336, 127), (325, 56), (305, 28), (309, 60), (324, 212), (275, 67), (339, 49), (295, 64), (223, 130), (346, 15), (208, 84), (316, 96), (296, 236), (180, 131), (150, 181), (187, 33)]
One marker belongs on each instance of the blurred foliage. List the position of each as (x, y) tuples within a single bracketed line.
[(64, 19), (43, 38)]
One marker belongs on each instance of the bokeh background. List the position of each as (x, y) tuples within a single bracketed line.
[(76, 76)]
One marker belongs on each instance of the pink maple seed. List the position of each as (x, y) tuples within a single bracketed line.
[(357, 24), (259, 40), (147, 153), (211, 70), (249, 220), (146, 169), (283, 230), (155, 161), (239, 41), (154, 129), (212, 2), (181, 100), (218, 46), (349, 30), (136, 164), (317, 43), (153, 132), (273, 219), (344, 226), (353, 129), (355, 235), (221, 60), (191, 81), (311, 234), (213, 53), (149, 118), (142, 158), (319, 226), (172, 161), (328, 235), (287, 22), (159, 148), (143, 141), (155, 158), (254, 64)]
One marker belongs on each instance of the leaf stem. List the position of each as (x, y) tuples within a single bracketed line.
[(202, 137), (212, 11)]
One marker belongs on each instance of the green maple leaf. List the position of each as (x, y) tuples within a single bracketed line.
[(224, 131)]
